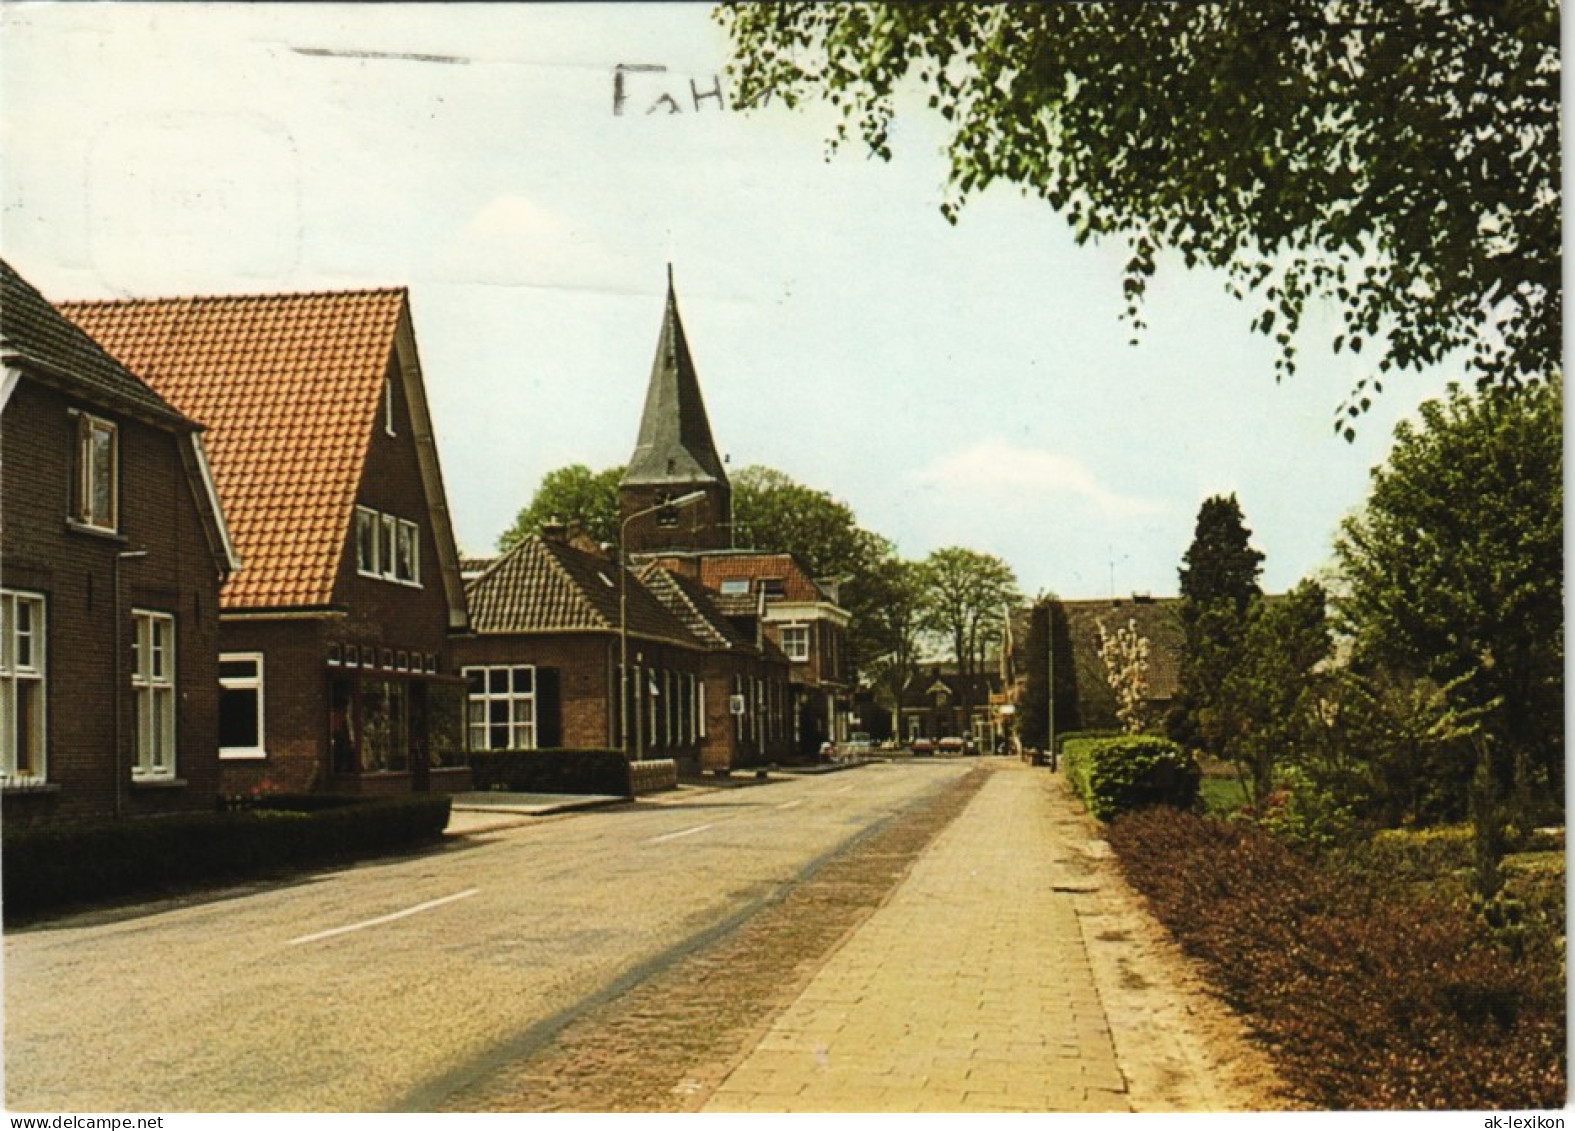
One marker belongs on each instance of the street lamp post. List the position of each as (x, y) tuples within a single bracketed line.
[(623, 608)]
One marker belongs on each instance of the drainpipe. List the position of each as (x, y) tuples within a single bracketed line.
[(117, 660)]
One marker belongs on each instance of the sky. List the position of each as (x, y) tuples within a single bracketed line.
[(970, 385)]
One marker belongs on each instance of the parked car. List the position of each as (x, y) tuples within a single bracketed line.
[(922, 746), (951, 745), (858, 743)]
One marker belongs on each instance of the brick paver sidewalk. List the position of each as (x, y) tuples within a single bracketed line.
[(973, 987)]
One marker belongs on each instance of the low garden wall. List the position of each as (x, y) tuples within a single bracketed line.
[(653, 776)]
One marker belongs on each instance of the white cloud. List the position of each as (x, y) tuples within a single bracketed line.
[(994, 471), (514, 240)]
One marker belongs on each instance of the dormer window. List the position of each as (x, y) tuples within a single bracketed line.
[(97, 494), (772, 586), (735, 587)]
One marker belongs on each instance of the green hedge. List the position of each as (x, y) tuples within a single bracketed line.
[(552, 771), (1082, 735), (1116, 775), (53, 866)]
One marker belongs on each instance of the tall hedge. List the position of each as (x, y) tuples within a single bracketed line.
[(1117, 775)]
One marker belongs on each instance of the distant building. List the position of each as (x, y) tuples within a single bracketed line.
[(938, 702), (113, 548), (675, 459), (334, 633), (1083, 699), (750, 701)]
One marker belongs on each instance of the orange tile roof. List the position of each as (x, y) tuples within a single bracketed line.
[(797, 585), (289, 388)]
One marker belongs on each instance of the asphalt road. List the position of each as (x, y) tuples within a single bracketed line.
[(387, 985)]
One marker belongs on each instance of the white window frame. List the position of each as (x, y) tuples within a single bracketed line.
[(153, 694), (387, 540), (388, 406), (255, 683), (83, 512), (368, 542), (407, 550), (387, 547), (16, 672), (798, 654), (523, 735)]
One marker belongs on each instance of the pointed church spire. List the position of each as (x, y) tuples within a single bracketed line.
[(675, 456), (674, 445)]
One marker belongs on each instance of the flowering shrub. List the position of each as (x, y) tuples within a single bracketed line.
[(1368, 999), (1125, 655)]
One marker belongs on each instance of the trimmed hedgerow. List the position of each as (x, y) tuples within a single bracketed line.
[(1116, 775), (55, 866), (1369, 1000), (552, 771)]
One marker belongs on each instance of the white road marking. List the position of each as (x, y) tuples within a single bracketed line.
[(675, 836), (416, 910), (792, 804)]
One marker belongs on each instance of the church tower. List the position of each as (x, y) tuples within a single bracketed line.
[(675, 456)]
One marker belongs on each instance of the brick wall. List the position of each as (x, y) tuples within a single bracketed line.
[(75, 572), (587, 666), (704, 525)]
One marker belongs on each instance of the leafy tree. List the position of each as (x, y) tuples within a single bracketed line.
[(966, 595), (1267, 710), (1219, 582), (574, 494), (1399, 159), (891, 596), (1453, 572), (1391, 747), (1221, 564), (775, 513)]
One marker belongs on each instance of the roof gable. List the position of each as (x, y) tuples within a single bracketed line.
[(289, 387), (691, 603)]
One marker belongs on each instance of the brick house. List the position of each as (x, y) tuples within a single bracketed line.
[(543, 659), (796, 613), (334, 635), (749, 695), (113, 548), (675, 460), (1083, 699), (938, 701)]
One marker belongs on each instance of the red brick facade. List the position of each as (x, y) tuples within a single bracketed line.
[(349, 588), (87, 656)]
